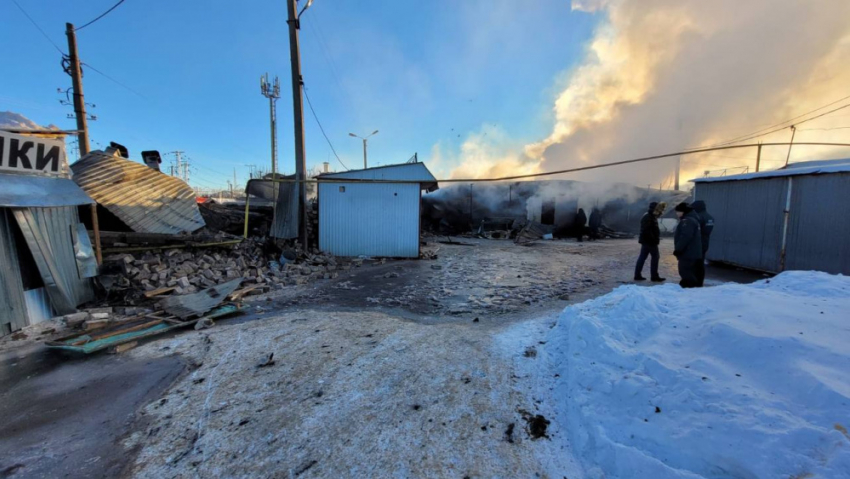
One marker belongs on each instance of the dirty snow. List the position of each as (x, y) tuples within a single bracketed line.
[(745, 381)]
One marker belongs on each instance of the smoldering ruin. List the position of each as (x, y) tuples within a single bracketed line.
[(501, 210)]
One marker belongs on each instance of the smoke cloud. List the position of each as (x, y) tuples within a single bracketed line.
[(663, 75)]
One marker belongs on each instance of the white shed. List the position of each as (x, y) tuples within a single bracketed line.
[(373, 218)]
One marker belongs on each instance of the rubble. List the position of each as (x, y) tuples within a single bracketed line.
[(133, 278)]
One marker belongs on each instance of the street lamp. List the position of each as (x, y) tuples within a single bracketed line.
[(364, 144)]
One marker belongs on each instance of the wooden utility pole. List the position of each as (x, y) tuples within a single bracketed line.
[(678, 168), (758, 158), (793, 132), (82, 122), (298, 114), (79, 100)]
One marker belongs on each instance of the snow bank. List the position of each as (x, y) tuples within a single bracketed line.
[(745, 381)]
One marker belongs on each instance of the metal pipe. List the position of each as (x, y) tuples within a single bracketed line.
[(558, 172), (787, 214), (247, 202)]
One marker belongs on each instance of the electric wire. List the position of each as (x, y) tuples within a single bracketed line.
[(101, 15), (38, 28), (322, 129), (781, 125), (114, 81)]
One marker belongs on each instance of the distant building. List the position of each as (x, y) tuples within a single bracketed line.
[(362, 218), (796, 218), (46, 258)]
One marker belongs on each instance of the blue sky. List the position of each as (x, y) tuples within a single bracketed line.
[(423, 73)]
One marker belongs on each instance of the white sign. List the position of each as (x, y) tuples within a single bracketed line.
[(33, 155)]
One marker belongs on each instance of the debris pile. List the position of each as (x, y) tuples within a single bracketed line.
[(131, 278)]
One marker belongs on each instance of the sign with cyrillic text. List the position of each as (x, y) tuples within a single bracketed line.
[(33, 155)]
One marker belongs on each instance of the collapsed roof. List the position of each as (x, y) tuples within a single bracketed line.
[(146, 200)]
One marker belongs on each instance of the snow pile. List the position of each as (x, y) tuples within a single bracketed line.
[(745, 381)]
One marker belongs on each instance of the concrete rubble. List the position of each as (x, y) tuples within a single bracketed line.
[(188, 270)]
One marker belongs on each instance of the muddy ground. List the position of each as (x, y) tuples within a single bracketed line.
[(394, 369)]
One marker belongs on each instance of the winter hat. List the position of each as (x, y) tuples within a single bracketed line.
[(652, 206), (659, 208), (684, 207)]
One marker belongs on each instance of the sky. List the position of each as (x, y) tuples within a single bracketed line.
[(422, 73), (477, 88)]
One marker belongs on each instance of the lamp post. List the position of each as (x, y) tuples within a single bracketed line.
[(364, 145)]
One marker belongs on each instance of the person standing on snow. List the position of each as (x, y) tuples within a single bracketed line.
[(706, 225), (650, 237), (579, 225), (595, 222), (687, 245)]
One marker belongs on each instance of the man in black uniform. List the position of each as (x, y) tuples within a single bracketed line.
[(650, 236), (579, 225), (706, 225), (595, 222), (687, 245)]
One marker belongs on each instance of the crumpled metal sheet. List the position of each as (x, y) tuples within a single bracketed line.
[(144, 199), (196, 304), (30, 191)]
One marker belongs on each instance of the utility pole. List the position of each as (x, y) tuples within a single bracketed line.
[(758, 158), (73, 69), (365, 139), (793, 132), (234, 182), (272, 92), (678, 168), (298, 115)]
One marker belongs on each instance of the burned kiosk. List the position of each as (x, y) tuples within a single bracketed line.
[(46, 258)]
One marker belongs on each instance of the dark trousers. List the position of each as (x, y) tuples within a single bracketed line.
[(647, 250), (700, 272), (688, 272)]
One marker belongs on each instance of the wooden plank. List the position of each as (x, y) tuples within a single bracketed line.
[(159, 291), (119, 331), (237, 295), (120, 348)]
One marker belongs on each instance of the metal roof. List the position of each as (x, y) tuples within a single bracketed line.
[(147, 200), (29, 191), (196, 304), (405, 172), (794, 169)]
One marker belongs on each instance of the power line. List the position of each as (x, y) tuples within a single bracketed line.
[(824, 129), (781, 125), (322, 129), (784, 127), (101, 15), (39, 28), (115, 81)]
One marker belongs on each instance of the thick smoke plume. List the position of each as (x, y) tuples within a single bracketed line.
[(663, 75)]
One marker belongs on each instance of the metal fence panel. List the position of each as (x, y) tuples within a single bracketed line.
[(748, 218), (371, 219), (819, 224), (13, 313)]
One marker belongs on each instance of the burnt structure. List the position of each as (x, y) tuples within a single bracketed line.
[(478, 207)]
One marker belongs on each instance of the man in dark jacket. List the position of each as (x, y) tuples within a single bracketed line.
[(706, 225), (687, 245), (650, 236), (580, 225), (595, 223)]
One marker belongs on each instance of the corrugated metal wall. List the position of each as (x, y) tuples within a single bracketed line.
[(372, 219), (819, 224), (57, 222), (13, 313), (747, 221), (749, 216)]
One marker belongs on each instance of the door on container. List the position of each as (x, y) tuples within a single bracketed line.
[(748, 217), (819, 224)]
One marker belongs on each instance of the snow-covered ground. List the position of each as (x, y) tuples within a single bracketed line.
[(744, 381)]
